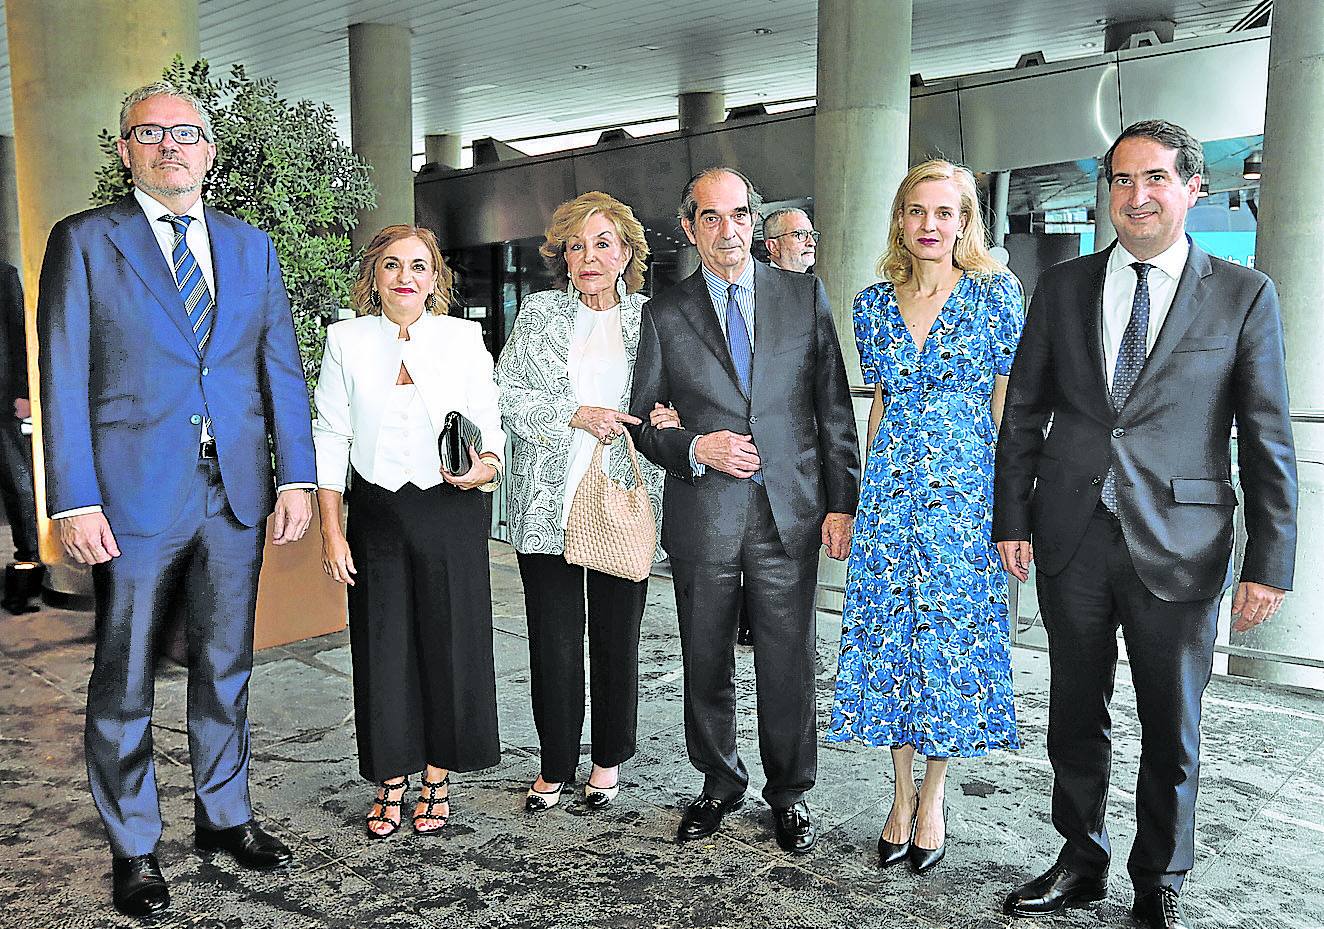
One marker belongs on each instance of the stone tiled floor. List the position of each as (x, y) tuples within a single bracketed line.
[(1260, 842)]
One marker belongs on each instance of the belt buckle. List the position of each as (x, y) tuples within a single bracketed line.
[(207, 450)]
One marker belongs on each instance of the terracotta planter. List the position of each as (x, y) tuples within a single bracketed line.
[(295, 598)]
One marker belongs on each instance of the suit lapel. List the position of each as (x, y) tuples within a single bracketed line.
[(134, 239), (1094, 327), (225, 261), (698, 311), (769, 294), (1185, 307)]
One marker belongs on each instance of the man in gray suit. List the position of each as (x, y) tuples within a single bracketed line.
[(1142, 357), (765, 470)]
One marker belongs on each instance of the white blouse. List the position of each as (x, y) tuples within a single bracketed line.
[(406, 446), (598, 368)]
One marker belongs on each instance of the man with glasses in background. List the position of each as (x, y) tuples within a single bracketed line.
[(791, 240), (170, 375)]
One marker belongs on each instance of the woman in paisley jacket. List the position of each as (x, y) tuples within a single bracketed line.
[(565, 378)]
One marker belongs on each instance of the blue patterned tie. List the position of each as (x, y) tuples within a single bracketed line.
[(192, 285), (742, 352), (1130, 359)]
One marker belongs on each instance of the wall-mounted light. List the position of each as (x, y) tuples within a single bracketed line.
[(1253, 166), (1234, 200), (1204, 189)]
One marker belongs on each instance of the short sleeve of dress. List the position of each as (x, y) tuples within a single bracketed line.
[(867, 317), (1006, 318)]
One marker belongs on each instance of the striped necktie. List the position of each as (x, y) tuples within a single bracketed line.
[(1131, 356), (192, 285)]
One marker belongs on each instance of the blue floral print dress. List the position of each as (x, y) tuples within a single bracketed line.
[(925, 647)]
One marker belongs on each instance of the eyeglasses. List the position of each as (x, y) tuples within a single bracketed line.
[(149, 134), (800, 235)]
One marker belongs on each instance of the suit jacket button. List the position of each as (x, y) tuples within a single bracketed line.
[(206, 371), (195, 419), (1118, 433)]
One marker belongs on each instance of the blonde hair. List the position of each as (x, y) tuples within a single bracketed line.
[(971, 251), (568, 221), (362, 290)]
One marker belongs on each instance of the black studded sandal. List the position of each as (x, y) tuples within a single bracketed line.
[(384, 790), (427, 795)]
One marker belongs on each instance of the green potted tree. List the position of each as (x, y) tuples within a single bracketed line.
[(281, 167)]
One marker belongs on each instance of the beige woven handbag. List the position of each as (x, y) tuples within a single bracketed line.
[(610, 527)]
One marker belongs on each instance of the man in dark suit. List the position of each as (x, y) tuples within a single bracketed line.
[(23, 577), (765, 470), (1142, 357), (168, 361)]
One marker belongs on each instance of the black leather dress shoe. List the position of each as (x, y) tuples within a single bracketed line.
[(1054, 890), (1159, 909), (702, 817), (249, 844), (794, 828), (139, 887)]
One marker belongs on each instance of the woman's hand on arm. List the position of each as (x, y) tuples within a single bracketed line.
[(337, 561), (602, 422), (663, 417)]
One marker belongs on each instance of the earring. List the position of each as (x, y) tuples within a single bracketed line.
[(375, 298), (430, 303)]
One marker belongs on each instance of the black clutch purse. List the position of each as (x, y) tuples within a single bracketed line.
[(457, 434)]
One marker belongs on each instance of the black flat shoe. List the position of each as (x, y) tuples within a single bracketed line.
[(1053, 891), (252, 847), (922, 859), (794, 828), (704, 815), (890, 853), (139, 887), (1159, 909)]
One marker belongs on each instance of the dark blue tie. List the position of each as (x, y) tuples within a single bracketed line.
[(192, 285), (1130, 359), (737, 340), (742, 352)]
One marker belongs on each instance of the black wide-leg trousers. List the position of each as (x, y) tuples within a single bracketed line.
[(1170, 647), (420, 627), (559, 600), (779, 600)]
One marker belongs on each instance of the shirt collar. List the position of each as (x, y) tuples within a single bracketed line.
[(155, 209), (744, 282), (1171, 261)]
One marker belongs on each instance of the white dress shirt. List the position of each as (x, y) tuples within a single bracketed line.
[(1119, 288), (598, 373)]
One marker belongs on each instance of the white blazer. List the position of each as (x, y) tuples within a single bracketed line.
[(448, 362)]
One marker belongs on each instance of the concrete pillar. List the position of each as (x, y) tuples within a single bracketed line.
[(381, 122), (443, 149), (861, 145), (10, 239), (71, 65), (861, 152), (701, 107), (1289, 248), (1104, 233)]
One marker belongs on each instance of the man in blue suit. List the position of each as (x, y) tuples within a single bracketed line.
[(169, 376)]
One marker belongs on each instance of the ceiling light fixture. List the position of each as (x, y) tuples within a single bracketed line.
[(581, 67), (763, 30), (1234, 200), (651, 48), (1253, 166)]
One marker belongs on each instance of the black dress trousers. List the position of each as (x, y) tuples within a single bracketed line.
[(556, 595), (1170, 647), (779, 600), (420, 626)]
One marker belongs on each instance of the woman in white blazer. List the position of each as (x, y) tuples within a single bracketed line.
[(565, 381), (415, 553)]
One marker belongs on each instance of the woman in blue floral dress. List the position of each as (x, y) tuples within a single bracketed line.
[(925, 662)]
